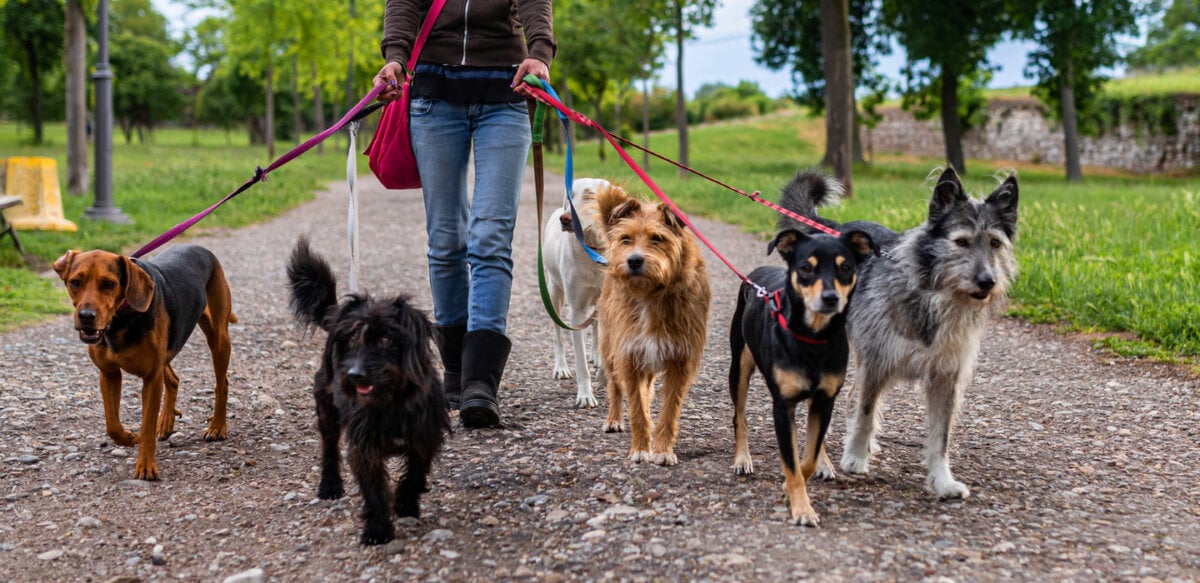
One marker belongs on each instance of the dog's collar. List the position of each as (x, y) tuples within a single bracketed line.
[(775, 305)]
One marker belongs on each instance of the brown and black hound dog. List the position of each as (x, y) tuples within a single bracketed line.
[(136, 315)]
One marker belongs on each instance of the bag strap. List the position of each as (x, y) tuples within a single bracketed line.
[(426, 28)]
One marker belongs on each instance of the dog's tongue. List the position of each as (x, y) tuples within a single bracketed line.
[(364, 390)]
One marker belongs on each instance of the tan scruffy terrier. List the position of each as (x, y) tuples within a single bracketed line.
[(654, 306)]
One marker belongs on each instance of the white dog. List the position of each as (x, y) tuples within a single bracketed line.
[(571, 275)]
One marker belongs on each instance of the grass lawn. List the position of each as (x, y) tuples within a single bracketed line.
[(157, 186), (1114, 254)]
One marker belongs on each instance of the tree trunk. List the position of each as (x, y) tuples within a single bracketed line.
[(646, 121), (269, 131), (839, 89), (951, 127), (318, 107), (681, 121), (35, 108), (76, 60), (1070, 124), (297, 118), (856, 144), (596, 112)]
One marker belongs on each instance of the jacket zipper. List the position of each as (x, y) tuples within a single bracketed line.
[(466, 11)]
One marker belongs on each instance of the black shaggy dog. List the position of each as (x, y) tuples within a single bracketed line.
[(377, 382)]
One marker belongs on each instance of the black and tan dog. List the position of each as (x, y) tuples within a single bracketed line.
[(377, 383), (796, 336), (136, 315)]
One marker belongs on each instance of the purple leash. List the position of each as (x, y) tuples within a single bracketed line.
[(260, 174)]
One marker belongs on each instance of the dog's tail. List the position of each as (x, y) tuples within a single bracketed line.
[(314, 287), (807, 191)]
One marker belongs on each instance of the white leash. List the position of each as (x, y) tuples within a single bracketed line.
[(352, 214)]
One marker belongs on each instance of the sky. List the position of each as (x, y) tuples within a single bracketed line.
[(722, 53)]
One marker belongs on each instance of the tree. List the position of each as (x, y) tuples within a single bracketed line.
[(33, 33), (147, 89), (946, 41), (616, 29), (686, 16), (839, 89), (1076, 38), (1173, 41), (786, 35), (75, 33)]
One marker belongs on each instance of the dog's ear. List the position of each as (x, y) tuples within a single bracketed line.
[(139, 288), (628, 208), (669, 218), (785, 242), (608, 201), (62, 265), (861, 243), (947, 192), (1004, 198)]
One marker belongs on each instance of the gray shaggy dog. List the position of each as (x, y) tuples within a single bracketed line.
[(920, 312)]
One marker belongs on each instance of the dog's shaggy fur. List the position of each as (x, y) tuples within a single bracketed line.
[(922, 317), (574, 280), (797, 338), (654, 309), (377, 383)]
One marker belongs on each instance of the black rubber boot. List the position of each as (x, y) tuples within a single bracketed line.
[(484, 355), (450, 345)]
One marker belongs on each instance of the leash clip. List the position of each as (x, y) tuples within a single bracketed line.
[(260, 175)]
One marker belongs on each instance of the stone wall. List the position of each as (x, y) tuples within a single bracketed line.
[(1018, 130)]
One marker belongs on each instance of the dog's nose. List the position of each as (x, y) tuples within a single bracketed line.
[(635, 262), (830, 298), (86, 316), (985, 282), (357, 373)]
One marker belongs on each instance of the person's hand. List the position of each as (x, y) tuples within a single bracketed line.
[(391, 76), (531, 66)]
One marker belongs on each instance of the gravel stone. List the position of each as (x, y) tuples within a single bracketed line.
[(1082, 466)]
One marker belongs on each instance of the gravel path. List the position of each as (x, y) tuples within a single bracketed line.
[(1080, 467)]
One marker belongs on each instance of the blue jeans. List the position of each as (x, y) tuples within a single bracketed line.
[(470, 239)]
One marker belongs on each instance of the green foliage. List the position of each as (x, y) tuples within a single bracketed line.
[(146, 86), (1113, 254), (787, 34), (33, 34), (1074, 41), (972, 99), (1146, 114), (718, 101), (1173, 41)]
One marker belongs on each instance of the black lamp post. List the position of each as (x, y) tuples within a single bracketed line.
[(102, 208)]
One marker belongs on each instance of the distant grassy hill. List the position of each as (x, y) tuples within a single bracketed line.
[(1141, 83)]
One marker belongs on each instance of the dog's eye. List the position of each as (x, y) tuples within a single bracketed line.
[(962, 242), (75, 283), (626, 240), (807, 269), (108, 285), (384, 342), (846, 270), (656, 238), (996, 243)]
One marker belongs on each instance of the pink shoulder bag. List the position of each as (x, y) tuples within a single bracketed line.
[(390, 154)]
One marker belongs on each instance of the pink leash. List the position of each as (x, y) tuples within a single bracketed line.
[(260, 174)]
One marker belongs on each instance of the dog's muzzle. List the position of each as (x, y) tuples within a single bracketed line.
[(635, 264), (85, 323)]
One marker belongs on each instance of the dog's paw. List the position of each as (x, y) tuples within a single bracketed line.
[(806, 518), (824, 470), (123, 438), (874, 448), (639, 456), (613, 427), (145, 470), (947, 488), (562, 372), (586, 401), (331, 489), (666, 458), (166, 427), (854, 464), (377, 533), (743, 465), (214, 432)]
